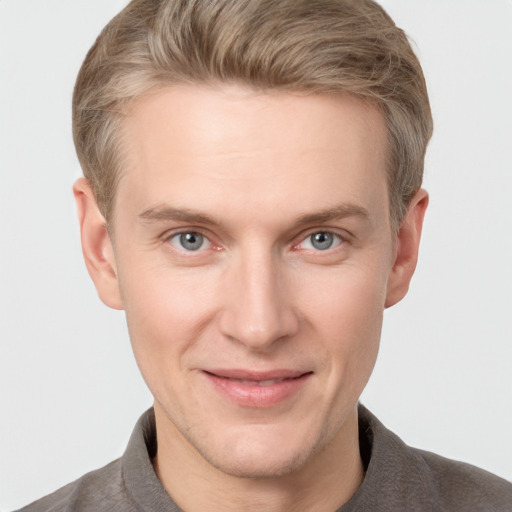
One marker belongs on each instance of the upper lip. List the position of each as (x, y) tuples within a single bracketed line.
[(252, 375)]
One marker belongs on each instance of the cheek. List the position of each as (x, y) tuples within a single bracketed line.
[(166, 313), (347, 311)]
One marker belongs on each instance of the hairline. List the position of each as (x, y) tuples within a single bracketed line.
[(127, 105)]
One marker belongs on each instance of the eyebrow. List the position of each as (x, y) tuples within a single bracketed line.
[(335, 213), (164, 213), (167, 213)]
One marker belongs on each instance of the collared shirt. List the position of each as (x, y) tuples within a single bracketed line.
[(398, 478)]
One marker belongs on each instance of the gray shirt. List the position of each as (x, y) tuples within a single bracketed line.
[(398, 478)]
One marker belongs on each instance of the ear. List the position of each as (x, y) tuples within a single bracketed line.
[(96, 245), (406, 249)]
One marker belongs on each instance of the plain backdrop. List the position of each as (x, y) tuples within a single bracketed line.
[(70, 391)]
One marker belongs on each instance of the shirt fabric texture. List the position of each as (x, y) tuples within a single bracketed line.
[(398, 479)]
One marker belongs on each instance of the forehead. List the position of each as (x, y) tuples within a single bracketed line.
[(233, 147), (202, 119)]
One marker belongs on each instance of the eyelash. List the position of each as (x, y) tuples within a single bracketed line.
[(206, 239), (339, 240)]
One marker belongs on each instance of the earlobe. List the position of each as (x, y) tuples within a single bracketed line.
[(406, 251), (97, 245)]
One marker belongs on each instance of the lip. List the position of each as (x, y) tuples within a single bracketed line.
[(249, 388)]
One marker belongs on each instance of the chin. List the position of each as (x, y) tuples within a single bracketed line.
[(258, 466), (259, 455)]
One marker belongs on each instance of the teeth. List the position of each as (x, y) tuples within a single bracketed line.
[(269, 382), (258, 382)]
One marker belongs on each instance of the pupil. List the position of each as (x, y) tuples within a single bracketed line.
[(191, 241), (322, 241)]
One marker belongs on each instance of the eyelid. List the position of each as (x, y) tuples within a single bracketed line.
[(343, 235), (337, 241), (206, 244), (172, 233)]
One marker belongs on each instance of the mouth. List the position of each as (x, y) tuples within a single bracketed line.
[(257, 389), (269, 382)]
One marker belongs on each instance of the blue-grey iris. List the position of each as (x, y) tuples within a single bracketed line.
[(191, 241), (322, 240)]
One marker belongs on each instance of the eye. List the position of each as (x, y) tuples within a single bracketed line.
[(190, 241), (321, 241)]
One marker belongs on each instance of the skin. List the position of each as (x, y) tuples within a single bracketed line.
[(257, 174)]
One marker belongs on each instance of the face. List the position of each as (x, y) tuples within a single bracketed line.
[(253, 256)]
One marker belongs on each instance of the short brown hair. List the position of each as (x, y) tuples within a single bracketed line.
[(321, 46)]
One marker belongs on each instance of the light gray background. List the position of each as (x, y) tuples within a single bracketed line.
[(70, 391)]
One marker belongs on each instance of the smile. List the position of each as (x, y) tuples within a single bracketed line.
[(257, 389), (258, 382)]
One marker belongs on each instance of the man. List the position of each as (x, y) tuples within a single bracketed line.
[(252, 199)]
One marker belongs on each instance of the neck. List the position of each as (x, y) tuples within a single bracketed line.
[(325, 482)]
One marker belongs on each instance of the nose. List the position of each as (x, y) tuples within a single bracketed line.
[(258, 307)]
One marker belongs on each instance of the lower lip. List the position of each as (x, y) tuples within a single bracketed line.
[(254, 395)]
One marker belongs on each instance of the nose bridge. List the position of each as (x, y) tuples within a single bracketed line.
[(259, 310)]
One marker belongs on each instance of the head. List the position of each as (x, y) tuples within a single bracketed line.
[(321, 46), (258, 167)]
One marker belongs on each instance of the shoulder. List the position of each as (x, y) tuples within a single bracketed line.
[(399, 477), (102, 489), (128, 484), (459, 485)]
